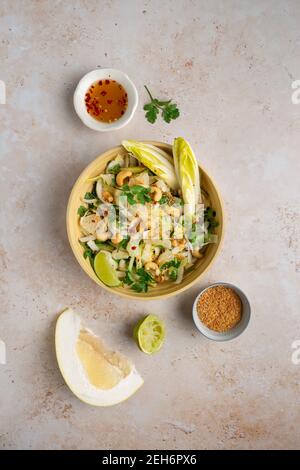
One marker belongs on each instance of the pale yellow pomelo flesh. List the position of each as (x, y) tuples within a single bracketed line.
[(95, 374)]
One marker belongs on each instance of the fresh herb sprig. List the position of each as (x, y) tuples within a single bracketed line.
[(114, 169), (164, 199), (173, 274), (168, 109), (90, 195), (136, 194), (140, 281), (172, 267), (123, 244), (174, 263), (144, 279), (128, 279), (81, 211), (88, 253), (210, 218)]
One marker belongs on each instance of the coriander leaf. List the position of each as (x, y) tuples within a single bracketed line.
[(141, 193), (115, 169), (140, 286), (173, 273), (168, 109), (144, 279), (170, 112), (128, 194), (123, 243), (149, 107), (152, 112), (163, 199), (210, 219), (89, 195), (209, 213), (143, 198), (144, 275), (88, 253), (137, 189), (128, 279), (175, 263), (81, 211), (130, 199)]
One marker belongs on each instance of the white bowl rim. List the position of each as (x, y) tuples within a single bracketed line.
[(233, 332), (83, 85)]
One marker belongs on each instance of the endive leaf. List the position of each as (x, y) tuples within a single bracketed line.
[(158, 161), (187, 172)]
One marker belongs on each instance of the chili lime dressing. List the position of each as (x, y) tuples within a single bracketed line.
[(106, 100)]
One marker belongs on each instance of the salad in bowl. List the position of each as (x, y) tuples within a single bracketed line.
[(147, 223)]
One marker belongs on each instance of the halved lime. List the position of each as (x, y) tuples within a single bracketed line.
[(149, 334), (104, 269)]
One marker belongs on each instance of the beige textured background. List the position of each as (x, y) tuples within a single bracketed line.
[(229, 65)]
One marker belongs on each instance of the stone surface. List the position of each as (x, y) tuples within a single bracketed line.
[(230, 66)]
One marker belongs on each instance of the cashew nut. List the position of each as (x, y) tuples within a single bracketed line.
[(117, 238), (103, 236), (107, 196), (197, 253), (122, 176), (179, 243), (102, 232), (156, 193), (180, 256), (151, 266)]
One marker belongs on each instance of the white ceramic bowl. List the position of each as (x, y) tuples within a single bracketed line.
[(233, 332), (84, 85)]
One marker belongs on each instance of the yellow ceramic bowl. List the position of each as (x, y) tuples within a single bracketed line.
[(161, 290)]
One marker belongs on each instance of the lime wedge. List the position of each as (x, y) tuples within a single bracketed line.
[(104, 269), (149, 334)]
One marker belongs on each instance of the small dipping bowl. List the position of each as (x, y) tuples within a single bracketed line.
[(231, 333), (102, 74)]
